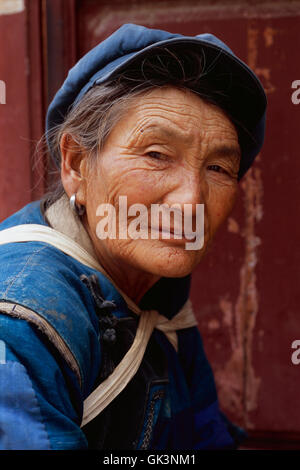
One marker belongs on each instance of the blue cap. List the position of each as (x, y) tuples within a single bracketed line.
[(240, 92)]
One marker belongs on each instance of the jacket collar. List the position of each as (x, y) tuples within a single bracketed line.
[(60, 216)]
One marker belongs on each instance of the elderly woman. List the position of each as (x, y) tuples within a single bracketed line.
[(99, 346)]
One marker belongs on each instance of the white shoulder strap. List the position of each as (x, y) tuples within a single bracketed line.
[(127, 368), (43, 233)]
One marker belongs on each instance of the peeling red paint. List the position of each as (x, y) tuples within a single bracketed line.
[(263, 73), (248, 302), (233, 225), (213, 324), (237, 382), (269, 34)]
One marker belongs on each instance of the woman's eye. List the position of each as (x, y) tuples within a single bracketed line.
[(156, 155), (217, 168)]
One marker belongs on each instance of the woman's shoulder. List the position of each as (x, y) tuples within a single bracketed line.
[(38, 273), (41, 285)]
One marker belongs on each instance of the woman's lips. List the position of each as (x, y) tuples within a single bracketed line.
[(173, 234)]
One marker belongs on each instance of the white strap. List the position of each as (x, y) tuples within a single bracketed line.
[(127, 368), (43, 233), (185, 318)]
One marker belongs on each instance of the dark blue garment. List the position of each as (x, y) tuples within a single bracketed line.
[(25, 425), (51, 359)]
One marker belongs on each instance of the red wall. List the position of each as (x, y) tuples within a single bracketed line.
[(21, 117)]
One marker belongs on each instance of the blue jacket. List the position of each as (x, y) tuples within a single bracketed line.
[(52, 356)]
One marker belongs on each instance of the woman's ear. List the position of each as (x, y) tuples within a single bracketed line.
[(73, 168)]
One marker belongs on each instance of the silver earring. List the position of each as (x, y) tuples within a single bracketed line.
[(77, 209)]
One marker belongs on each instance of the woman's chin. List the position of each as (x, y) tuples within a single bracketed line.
[(170, 261)]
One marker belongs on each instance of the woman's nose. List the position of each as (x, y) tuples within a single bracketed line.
[(190, 188), (189, 194)]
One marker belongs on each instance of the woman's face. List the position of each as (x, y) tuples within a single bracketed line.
[(171, 147)]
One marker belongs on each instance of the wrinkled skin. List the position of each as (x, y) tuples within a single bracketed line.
[(170, 147)]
